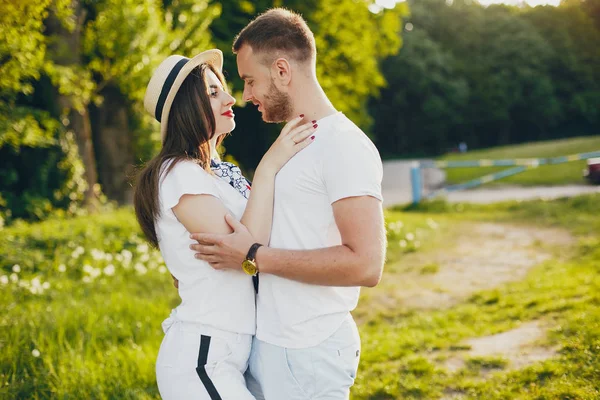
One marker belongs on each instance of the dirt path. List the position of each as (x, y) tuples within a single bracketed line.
[(475, 257)]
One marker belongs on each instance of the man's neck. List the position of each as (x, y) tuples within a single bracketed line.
[(313, 103)]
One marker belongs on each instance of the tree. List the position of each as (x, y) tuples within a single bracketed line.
[(40, 167), (421, 107)]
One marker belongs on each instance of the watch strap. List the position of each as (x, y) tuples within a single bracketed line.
[(252, 252)]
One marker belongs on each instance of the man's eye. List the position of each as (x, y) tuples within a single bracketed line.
[(250, 83)]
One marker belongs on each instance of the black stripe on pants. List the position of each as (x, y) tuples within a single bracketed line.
[(201, 369)]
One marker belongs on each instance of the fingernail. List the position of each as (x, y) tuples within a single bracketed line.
[(301, 115), (314, 121), (312, 137), (191, 248), (315, 125)]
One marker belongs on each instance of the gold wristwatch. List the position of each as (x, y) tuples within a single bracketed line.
[(249, 264)]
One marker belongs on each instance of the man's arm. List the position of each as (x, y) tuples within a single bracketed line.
[(358, 261)]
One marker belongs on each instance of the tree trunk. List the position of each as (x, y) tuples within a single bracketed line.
[(66, 50), (112, 138)]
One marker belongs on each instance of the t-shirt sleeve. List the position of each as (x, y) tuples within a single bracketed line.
[(354, 169), (185, 178)]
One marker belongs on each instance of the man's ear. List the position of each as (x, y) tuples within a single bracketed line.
[(281, 71)]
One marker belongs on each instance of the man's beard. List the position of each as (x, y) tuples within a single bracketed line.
[(277, 105)]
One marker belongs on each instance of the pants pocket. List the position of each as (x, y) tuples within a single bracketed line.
[(349, 357), (300, 372)]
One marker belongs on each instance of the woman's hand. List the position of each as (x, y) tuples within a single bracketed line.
[(293, 137)]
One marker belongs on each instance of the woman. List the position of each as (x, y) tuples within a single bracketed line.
[(186, 189)]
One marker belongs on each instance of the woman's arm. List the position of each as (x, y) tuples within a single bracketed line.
[(206, 213), (258, 216)]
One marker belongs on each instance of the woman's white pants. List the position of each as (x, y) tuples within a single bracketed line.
[(201, 362)]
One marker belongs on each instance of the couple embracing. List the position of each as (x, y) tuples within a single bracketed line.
[(267, 271)]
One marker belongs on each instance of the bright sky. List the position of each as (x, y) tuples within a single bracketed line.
[(533, 3)]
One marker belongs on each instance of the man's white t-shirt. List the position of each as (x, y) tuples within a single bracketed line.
[(341, 162), (222, 299)]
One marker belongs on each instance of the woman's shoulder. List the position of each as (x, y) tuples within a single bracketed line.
[(173, 167)]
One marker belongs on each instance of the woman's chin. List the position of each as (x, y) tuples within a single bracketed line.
[(226, 129)]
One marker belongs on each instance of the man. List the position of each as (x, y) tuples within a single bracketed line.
[(328, 235)]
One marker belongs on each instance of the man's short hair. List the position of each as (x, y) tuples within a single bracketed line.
[(278, 30)]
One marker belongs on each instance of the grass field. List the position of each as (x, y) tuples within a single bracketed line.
[(83, 300), (568, 173)]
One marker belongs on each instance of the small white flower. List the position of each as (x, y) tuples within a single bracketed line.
[(432, 224), (410, 236), (402, 243), (86, 279), (4, 279), (14, 277), (35, 282), (98, 254), (46, 285), (142, 248), (35, 353), (145, 257), (62, 268), (16, 268), (127, 255), (140, 269), (109, 270), (88, 269), (108, 257), (162, 269)]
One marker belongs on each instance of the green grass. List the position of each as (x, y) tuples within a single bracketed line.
[(399, 349), (567, 173), (74, 327)]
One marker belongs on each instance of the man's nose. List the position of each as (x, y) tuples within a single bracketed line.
[(247, 94)]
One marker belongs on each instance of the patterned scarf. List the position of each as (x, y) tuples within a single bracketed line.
[(231, 174)]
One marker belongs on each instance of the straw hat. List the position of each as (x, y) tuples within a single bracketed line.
[(167, 80)]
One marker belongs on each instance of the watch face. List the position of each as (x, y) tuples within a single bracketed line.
[(249, 267)]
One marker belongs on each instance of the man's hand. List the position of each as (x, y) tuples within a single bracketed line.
[(224, 251)]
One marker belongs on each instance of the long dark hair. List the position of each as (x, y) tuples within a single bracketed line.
[(190, 126)]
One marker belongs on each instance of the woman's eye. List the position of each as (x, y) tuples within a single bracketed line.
[(213, 94)]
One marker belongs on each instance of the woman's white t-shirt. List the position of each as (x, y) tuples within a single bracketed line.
[(222, 299)]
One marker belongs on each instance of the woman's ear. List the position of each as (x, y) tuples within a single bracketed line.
[(281, 71)]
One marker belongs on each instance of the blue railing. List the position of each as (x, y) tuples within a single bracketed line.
[(519, 164)]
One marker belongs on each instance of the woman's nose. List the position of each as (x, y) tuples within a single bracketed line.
[(229, 100)]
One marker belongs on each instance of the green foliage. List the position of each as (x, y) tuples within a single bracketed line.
[(35, 190), (348, 58), (22, 44), (488, 76), (41, 170)]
